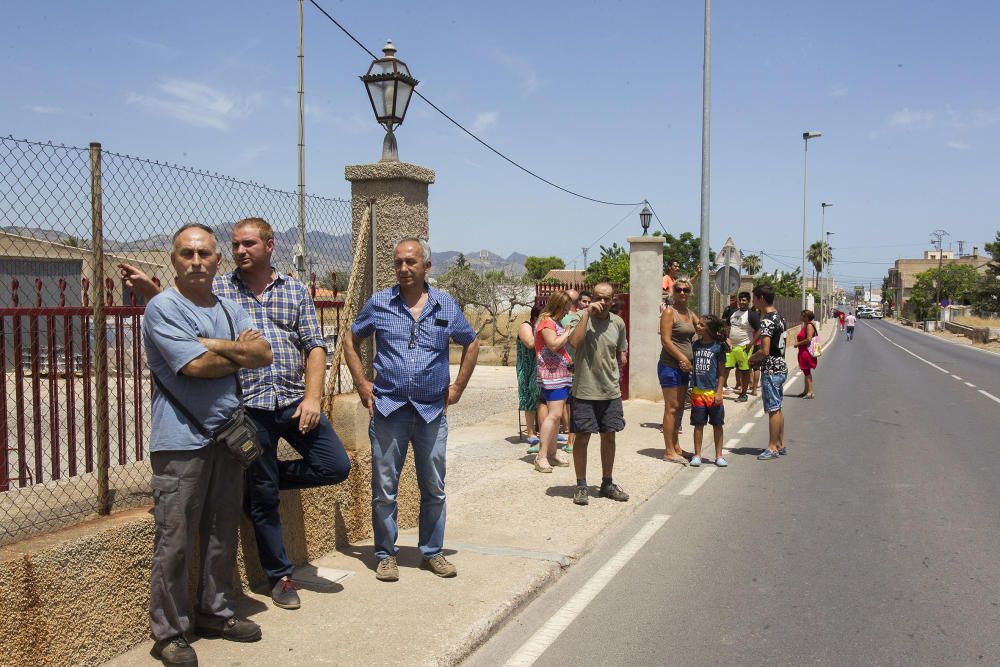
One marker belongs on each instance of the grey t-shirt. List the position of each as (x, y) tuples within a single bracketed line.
[(170, 331), (595, 371)]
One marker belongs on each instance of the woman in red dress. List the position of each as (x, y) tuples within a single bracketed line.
[(807, 362)]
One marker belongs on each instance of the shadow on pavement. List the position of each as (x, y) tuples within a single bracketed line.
[(656, 453), (563, 491), (745, 451)]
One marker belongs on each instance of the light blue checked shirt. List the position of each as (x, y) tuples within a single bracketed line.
[(411, 355), (286, 316)]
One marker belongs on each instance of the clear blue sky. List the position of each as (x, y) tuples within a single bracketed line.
[(602, 97)]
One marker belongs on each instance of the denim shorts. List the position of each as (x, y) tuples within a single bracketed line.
[(772, 390), (671, 377)]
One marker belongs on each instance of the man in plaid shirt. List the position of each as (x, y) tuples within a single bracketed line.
[(413, 325), (283, 398)]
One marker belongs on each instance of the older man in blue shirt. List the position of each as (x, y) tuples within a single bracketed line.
[(412, 324)]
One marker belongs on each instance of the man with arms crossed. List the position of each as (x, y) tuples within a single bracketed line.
[(197, 485), (600, 344), (282, 399), (743, 326), (412, 324), (773, 370)]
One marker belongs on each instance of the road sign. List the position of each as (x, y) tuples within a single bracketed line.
[(729, 255), (727, 279)]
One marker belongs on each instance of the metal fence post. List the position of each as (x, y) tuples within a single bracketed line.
[(100, 348)]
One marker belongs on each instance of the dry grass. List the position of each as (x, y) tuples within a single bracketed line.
[(978, 322), (476, 318)]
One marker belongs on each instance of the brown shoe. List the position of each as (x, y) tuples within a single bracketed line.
[(387, 569), (439, 566)]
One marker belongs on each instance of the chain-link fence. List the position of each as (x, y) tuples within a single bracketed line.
[(76, 392)]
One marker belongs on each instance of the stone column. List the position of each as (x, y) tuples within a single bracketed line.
[(400, 194), (645, 295)]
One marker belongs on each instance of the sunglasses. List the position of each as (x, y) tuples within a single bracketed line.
[(413, 334), (682, 290)]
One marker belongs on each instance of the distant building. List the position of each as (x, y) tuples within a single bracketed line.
[(903, 275), (566, 276)]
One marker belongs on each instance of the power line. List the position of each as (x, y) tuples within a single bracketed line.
[(468, 132), (626, 217)]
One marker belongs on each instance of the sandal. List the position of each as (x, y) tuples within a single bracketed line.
[(681, 461), (542, 468), (558, 461)]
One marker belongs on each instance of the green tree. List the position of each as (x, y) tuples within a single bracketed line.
[(785, 283), (958, 285), (461, 282), (987, 296), (538, 267), (819, 255), (612, 267), (752, 264), (686, 250)]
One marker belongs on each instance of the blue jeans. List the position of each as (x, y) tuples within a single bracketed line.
[(772, 390), (390, 438), (323, 462)]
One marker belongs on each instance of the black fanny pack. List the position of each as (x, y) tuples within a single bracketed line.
[(239, 434)]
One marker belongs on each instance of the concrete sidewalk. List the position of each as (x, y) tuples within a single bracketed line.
[(511, 532)]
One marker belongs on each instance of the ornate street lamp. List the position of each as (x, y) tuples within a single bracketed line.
[(390, 87), (644, 217)]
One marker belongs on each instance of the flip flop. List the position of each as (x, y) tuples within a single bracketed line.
[(679, 461)]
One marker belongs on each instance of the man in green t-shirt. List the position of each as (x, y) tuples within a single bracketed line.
[(600, 345)]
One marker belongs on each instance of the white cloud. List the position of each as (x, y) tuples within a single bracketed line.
[(958, 145), (912, 119), (838, 90), (41, 108), (148, 44), (485, 121), (530, 81), (253, 152), (196, 104)]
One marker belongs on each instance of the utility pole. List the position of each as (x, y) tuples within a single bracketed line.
[(300, 255), (706, 104), (936, 238), (585, 259)]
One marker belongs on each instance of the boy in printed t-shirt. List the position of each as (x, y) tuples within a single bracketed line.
[(708, 379)]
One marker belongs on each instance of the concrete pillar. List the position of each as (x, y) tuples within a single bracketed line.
[(400, 194), (645, 295)]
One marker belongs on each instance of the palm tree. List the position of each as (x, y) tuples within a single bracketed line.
[(819, 255), (752, 264)]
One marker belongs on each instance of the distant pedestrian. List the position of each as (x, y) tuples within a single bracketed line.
[(677, 329), (707, 382), (840, 318), (850, 321), (807, 362), (600, 343), (528, 393), (413, 325), (555, 375), (774, 370)]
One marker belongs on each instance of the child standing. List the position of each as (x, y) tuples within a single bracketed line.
[(707, 383)]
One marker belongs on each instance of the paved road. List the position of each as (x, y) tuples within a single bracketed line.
[(876, 541)]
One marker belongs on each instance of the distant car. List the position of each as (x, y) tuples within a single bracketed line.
[(875, 314)]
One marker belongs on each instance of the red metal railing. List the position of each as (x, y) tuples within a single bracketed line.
[(47, 355)]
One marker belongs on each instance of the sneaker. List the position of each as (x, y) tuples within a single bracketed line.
[(767, 455), (283, 595), (580, 496), (567, 448), (721, 462), (232, 629), (534, 449), (175, 651), (695, 461), (782, 452), (387, 569), (562, 439), (614, 492), (439, 566), (742, 398), (533, 441)]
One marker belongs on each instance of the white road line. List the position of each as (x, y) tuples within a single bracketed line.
[(791, 380), (696, 483), (956, 377), (931, 364), (746, 428), (989, 396), (969, 384), (732, 442), (532, 649), (760, 413)]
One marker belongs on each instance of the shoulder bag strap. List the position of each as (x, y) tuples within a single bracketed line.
[(177, 404), (232, 336)]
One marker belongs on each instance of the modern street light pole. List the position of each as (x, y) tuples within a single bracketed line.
[(822, 260), (706, 105), (806, 136), (829, 279)]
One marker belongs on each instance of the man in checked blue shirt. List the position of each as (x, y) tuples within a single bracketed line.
[(412, 324), (282, 398)]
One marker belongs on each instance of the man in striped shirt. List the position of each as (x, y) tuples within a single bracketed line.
[(413, 325)]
